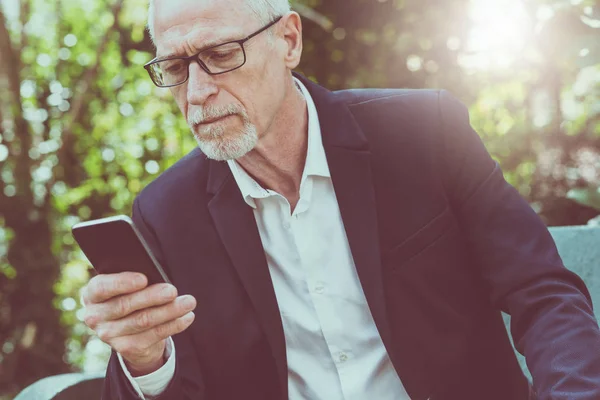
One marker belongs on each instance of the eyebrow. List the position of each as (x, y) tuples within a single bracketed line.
[(208, 45)]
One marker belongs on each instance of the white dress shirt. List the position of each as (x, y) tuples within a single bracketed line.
[(334, 351)]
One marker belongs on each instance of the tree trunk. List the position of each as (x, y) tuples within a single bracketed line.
[(32, 340)]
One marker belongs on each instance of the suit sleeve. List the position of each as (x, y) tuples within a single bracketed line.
[(552, 321), (187, 382)]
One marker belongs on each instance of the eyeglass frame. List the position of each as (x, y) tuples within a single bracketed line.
[(195, 57)]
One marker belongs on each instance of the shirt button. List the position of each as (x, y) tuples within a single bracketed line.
[(320, 289), (286, 226), (343, 357)]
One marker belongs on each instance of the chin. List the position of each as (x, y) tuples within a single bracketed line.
[(229, 147)]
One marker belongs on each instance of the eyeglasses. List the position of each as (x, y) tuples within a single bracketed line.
[(215, 60)]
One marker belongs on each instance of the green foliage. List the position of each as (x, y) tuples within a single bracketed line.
[(83, 129), (88, 132)]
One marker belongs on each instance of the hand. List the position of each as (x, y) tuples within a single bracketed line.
[(136, 319)]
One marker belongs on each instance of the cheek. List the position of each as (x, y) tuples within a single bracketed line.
[(258, 88), (247, 89)]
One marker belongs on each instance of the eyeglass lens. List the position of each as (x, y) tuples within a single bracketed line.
[(217, 60)]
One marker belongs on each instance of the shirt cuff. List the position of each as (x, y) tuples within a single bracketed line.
[(148, 386)]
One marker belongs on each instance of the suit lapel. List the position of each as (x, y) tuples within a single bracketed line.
[(349, 161), (236, 225), (351, 175)]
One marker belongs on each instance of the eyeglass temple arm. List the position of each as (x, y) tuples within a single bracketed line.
[(276, 20)]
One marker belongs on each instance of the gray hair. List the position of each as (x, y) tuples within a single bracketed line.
[(264, 10)]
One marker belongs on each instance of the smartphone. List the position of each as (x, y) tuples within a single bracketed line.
[(114, 245)]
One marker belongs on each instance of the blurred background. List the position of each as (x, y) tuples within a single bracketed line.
[(83, 129)]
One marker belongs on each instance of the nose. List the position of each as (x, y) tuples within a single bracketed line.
[(200, 86)]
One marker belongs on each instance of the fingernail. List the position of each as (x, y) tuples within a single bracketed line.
[(139, 280), (167, 292), (187, 301), (188, 317)]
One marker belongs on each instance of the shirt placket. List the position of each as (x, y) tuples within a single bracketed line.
[(321, 289)]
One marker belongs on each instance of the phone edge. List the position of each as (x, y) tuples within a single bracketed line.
[(129, 221)]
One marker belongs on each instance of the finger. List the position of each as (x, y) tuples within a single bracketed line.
[(147, 319), (121, 306), (106, 286), (133, 346)]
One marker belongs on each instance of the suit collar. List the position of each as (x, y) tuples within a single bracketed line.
[(338, 126), (218, 175)]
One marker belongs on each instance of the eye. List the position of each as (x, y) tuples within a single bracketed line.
[(172, 66), (221, 55)]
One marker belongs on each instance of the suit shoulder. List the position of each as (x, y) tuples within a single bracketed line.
[(423, 107), (355, 98)]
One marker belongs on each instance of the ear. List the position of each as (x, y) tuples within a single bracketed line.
[(292, 34)]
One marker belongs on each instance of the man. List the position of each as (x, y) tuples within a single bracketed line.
[(354, 245)]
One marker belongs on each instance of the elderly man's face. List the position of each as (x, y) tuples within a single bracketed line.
[(227, 113)]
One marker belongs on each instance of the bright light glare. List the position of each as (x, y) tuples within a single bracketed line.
[(500, 32)]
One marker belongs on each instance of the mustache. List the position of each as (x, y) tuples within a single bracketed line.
[(209, 113)]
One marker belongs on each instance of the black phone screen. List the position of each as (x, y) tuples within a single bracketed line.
[(113, 245)]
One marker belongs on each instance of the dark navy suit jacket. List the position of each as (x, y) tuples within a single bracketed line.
[(441, 243)]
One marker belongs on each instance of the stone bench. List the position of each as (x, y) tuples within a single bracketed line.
[(75, 386), (579, 246)]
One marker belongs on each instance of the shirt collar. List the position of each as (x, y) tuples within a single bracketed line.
[(316, 161)]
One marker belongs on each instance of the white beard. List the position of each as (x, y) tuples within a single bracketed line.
[(212, 140)]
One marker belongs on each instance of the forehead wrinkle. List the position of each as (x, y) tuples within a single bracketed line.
[(196, 40)]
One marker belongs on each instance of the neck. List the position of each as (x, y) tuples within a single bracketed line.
[(277, 162)]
